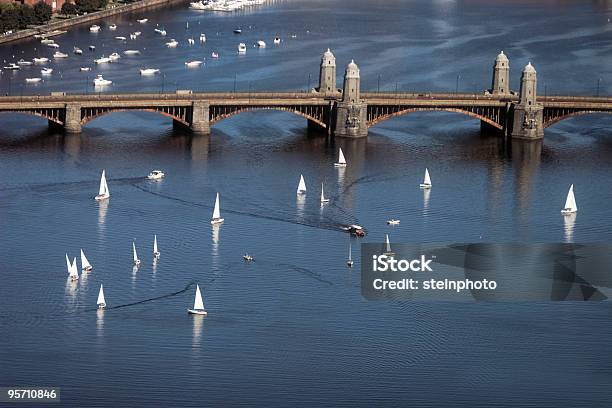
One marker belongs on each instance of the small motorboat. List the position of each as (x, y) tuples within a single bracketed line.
[(12, 66), (112, 27), (247, 257), (77, 50), (85, 69), (131, 52), (23, 62), (426, 180), (202, 37), (356, 230), (260, 44), (47, 41), (393, 221), (277, 40), (198, 304), (92, 47), (242, 49), (120, 38), (194, 63), (41, 60), (172, 43), (94, 28), (59, 54), (142, 20), (293, 35), (570, 203), (53, 45), (100, 81), (149, 71), (237, 31), (33, 80), (216, 218), (101, 301), (156, 175), (137, 33), (114, 56), (160, 31), (46, 71), (102, 60), (214, 55)]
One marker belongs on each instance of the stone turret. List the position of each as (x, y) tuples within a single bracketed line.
[(528, 116), (327, 74), (351, 111), (501, 75)]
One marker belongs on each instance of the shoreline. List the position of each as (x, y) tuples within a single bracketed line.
[(98, 15)]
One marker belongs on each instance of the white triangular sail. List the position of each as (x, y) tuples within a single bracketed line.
[(570, 202), (388, 243), (103, 187), (322, 194), (68, 265), (217, 210), (427, 179), (155, 251), (302, 185), (84, 262), (101, 300), (341, 159), (74, 272), (198, 304), (135, 255)]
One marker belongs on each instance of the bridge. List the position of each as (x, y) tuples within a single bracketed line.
[(344, 112)]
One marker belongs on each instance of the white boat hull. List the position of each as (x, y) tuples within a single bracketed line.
[(339, 164), (349, 264), (568, 211), (425, 185), (393, 222), (87, 269), (217, 221), (197, 312), (102, 306), (102, 197)]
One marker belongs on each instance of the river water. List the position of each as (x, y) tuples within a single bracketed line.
[(292, 329)]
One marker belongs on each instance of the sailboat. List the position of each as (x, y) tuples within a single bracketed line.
[(103, 192), (302, 186), (136, 260), (156, 253), (101, 301), (72, 269), (341, 160), (198, 305), (426, 180), (216, 217), (388, 246), (349, 261), (323, 199), (85, 265), (570, 202)]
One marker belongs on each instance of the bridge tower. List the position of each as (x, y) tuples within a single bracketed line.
[(501, 75), (327, 74), (528, 115), (351, 111)]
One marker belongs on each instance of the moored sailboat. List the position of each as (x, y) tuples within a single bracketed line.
[(198, 304), (570, 203), (216, 217), (85, 265), (101, 300), (103, 192)]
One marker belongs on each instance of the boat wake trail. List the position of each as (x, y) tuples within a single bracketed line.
[(314, 275)]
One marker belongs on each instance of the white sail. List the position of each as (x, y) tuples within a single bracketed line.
[(301, 186), (74, 272), (341, 159), (84, 262), (68, 265), (103, 187), (155, 245), (217, 210), (322, 194), (198, 304), (570, 202), (101, 300), (427, 179), (135, 255), (388, 243)]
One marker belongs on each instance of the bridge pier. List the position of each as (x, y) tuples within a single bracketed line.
[(72, 118), (351, 112), (200, 118), (527, 114)]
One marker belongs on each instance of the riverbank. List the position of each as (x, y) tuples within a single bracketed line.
[(65, 24)]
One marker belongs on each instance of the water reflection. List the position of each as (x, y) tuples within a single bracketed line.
[(426, 194), (100, 323), (71, 291), (72, 146), (134, 274), (102, 209), (299, 205), (568, 227), (526, 161), (198, 323)]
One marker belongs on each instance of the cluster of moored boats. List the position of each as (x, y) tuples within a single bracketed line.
[(224, 5)]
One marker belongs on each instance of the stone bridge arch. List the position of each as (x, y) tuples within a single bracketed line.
[(494, 116), (53, 115), (554, 116), (181, 114), (318, 114)]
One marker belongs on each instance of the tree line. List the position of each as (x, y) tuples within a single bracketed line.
[(17, 16), (83, 6)]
